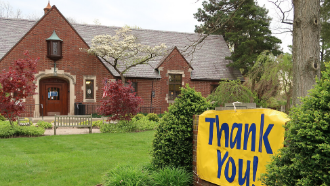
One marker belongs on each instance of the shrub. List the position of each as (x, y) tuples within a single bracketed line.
[(126, 175), (129, 126), (153, 117), (172, 145), (29, 131), (305, 158), (144, 124), (6, 130), (139, 116), (97, 123), (169, 176), (44, 124), (147, 175), (2, 118)]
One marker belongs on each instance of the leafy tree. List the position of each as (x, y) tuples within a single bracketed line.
[(16, 85), (305, 158), (120, 101), (172, 145), (122, 51), (230, 91), (271, 76), (247, 32)]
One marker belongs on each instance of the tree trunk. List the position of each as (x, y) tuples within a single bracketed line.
[(306, 46)]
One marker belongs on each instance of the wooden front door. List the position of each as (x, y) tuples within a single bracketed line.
[(54, 96)]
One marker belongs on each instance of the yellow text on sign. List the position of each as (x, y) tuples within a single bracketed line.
[(234, 147)]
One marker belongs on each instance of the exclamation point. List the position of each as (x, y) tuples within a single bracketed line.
[(255, 168)]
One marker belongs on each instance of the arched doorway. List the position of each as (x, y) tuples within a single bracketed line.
[(54, 96)]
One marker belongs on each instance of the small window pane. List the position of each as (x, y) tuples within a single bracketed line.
[(54, 48), (53, 93), (89, 89)]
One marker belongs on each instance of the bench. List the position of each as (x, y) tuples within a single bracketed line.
[(73, 121)]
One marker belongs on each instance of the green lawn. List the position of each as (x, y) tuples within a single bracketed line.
[(70, 160)]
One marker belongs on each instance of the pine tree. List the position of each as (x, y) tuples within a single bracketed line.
[(246, 33)]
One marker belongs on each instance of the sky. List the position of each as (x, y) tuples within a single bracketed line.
[(167, 15)]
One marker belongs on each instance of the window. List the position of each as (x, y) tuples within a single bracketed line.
[(175, 83), (89, 89), (53, 93), (134, 85), (213, 87)]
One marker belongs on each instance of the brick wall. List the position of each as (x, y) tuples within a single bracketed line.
[(197, 181)]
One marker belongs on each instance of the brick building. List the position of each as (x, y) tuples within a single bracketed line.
[(77, 76)]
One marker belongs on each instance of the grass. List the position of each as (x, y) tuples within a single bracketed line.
[(70, 159)]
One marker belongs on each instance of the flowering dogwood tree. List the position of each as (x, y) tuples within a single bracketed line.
[(16, 84), (120, 101), (122, 51)]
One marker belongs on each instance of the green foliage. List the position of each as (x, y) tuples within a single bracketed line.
[(305, 159), (246, 32), (44, 124), (139, 116), (97, 123), (2, 118), (153, 117), (135, 125), (271, 79), (230, 91), (147, 175), (126, 175), (172, 145), (169, 176), (7, 130)]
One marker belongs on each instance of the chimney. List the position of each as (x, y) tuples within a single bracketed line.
[(47, 8)]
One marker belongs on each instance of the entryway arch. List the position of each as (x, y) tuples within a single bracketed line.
[(54, 96), (61, 74)]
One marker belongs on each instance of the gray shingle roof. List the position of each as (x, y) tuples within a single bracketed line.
[(208, 61)]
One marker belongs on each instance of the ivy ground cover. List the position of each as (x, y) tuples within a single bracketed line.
[(70, 159)]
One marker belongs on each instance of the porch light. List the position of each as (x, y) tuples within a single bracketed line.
[(54, 47)]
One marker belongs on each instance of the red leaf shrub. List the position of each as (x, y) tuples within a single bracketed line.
[(120, 102), (16, 84)]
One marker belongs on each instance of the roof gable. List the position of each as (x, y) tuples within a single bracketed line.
[(166, 57)]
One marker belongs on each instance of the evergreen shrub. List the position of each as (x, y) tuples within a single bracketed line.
[(173, 142), (305, 158), (44, 124)]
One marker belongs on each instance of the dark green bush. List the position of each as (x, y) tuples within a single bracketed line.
[(44, 124), (172, 145), (153, 117), (305, 160)]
